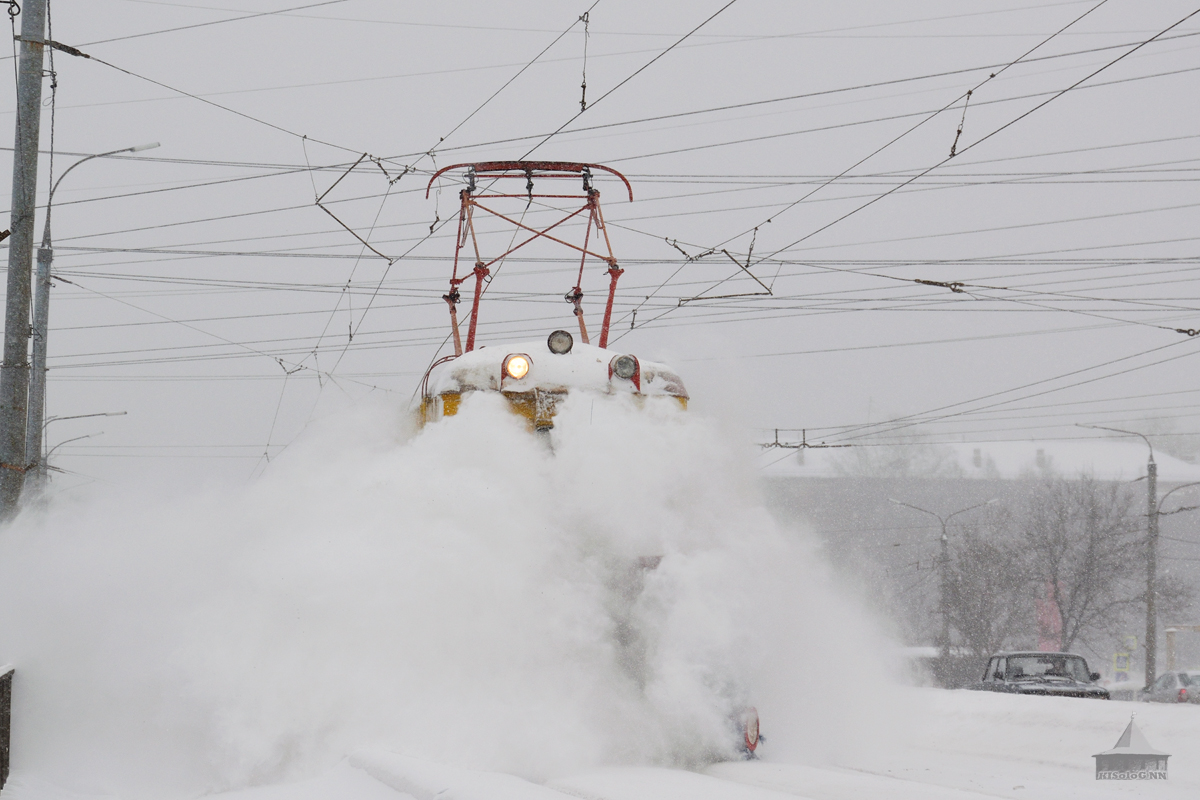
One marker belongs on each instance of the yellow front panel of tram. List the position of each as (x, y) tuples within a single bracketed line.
[(537, 407)]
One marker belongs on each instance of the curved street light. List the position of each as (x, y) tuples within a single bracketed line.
[(1152, 508), (36, 467), (1163, 499), (945, 563)]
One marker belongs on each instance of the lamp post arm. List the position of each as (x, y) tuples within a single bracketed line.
[(938, 517), (50, 198), (68, 441), (970, 508), (1163, 499), (46, 424), (1120, 430)]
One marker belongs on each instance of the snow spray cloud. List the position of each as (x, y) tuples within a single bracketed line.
[(467, 594)]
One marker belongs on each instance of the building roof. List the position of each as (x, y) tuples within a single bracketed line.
[(1132, 743), (1104, 459)]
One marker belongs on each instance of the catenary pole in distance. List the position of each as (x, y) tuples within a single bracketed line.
[(944, 568), (1152, 509), (14, 374)]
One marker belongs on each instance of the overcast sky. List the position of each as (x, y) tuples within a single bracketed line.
[(213, 301)]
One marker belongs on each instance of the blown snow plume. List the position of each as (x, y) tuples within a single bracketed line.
[(469, 594)]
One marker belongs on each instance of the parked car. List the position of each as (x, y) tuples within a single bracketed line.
[(1054, 674), (1173, 687)]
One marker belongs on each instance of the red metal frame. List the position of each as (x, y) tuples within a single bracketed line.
[(497, 170)]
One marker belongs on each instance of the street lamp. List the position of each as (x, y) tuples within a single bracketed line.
[(1152, 506), (50, 452), (1163, 499), (44, 462), (944, 599), (41, 324)]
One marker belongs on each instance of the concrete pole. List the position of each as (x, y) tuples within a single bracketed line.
[(944, 598), (944, 566), (1152, 511), (14, 373), (35, 478), (1151, 571)]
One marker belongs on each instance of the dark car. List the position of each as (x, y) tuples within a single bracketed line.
[(1054, 674), (1173, 687)]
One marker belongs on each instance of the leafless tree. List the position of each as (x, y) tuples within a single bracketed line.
[(1086, 548), (989, 581)]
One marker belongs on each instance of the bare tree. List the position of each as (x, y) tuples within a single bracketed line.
[(989, 585), (1086, 550)]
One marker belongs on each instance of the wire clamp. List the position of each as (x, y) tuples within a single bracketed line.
[(954, 286)]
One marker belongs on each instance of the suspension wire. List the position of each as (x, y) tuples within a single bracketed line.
[(433, 228), (215, 22), (520, 72), (805, 95), (583, 86), (1003, 127), (961, 123), (862, 161), (628, 78), (304, 139), (355, 329), (432, 153), (265, 458), (241, 345), (930, 169), (909, 420), (80, 54), (905, 133), (273, 422)]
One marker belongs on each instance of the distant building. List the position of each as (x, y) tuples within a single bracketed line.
[(1132, 759)]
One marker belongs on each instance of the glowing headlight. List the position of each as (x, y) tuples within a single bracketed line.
[(560, 342), (517, 366), (625, 366)]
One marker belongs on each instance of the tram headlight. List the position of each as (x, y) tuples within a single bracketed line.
[(560, 343), (517, 366), (624, 367)]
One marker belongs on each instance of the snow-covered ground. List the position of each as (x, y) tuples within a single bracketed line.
[(956, 746)]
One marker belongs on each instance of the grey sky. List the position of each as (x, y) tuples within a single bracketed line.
[(199, 267)]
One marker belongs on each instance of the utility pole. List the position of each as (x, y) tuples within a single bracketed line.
[(1151, 569), (36, 470), (1152, 509), (944, 568), (14, 374)]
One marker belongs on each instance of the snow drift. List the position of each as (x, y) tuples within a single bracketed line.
[(467, 594)]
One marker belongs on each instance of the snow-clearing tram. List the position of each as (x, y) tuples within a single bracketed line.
[(535, 376)]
